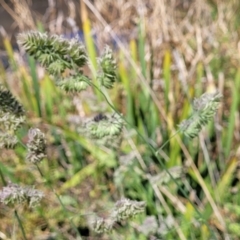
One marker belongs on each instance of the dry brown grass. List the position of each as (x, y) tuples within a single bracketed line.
[(186, 28)]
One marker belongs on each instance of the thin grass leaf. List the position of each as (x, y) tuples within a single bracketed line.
[(9, 49), (198, 87), (141, 48), (167, 76), (231, 120), (224, 183), (35, 81)]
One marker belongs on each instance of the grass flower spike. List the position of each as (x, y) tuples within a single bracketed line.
[(36, 146), (8, 104), (7, 140), (101, 225), (10, 122), (108, 66), (204, 108), (103, 126), (126, 208), (74, 83), (123, 210), (11, 118), (57, 54), (14, 194), (53, 51)]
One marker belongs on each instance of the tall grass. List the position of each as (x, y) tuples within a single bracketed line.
[(189, 193)]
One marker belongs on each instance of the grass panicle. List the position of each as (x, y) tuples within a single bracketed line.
[(9, 104), (10, 122), (74, 83), (124, 209), (14, 195), (12, 116), (107, 75), (53, 49), (103, 126), (102, 225), (7, 140), (36, 146), (204, 109)]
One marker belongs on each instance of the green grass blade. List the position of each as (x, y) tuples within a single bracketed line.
[(141, 48), (86, 24), (9, 49), (198, 88), (167, 76), (222, 190), (233, 110), (48, 91), (36, 87), (124, 76)]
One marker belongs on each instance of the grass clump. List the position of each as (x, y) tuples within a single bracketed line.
[(58, 55), (113, 135)]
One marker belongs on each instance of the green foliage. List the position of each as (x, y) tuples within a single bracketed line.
[(56, 55), (180, 187)]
